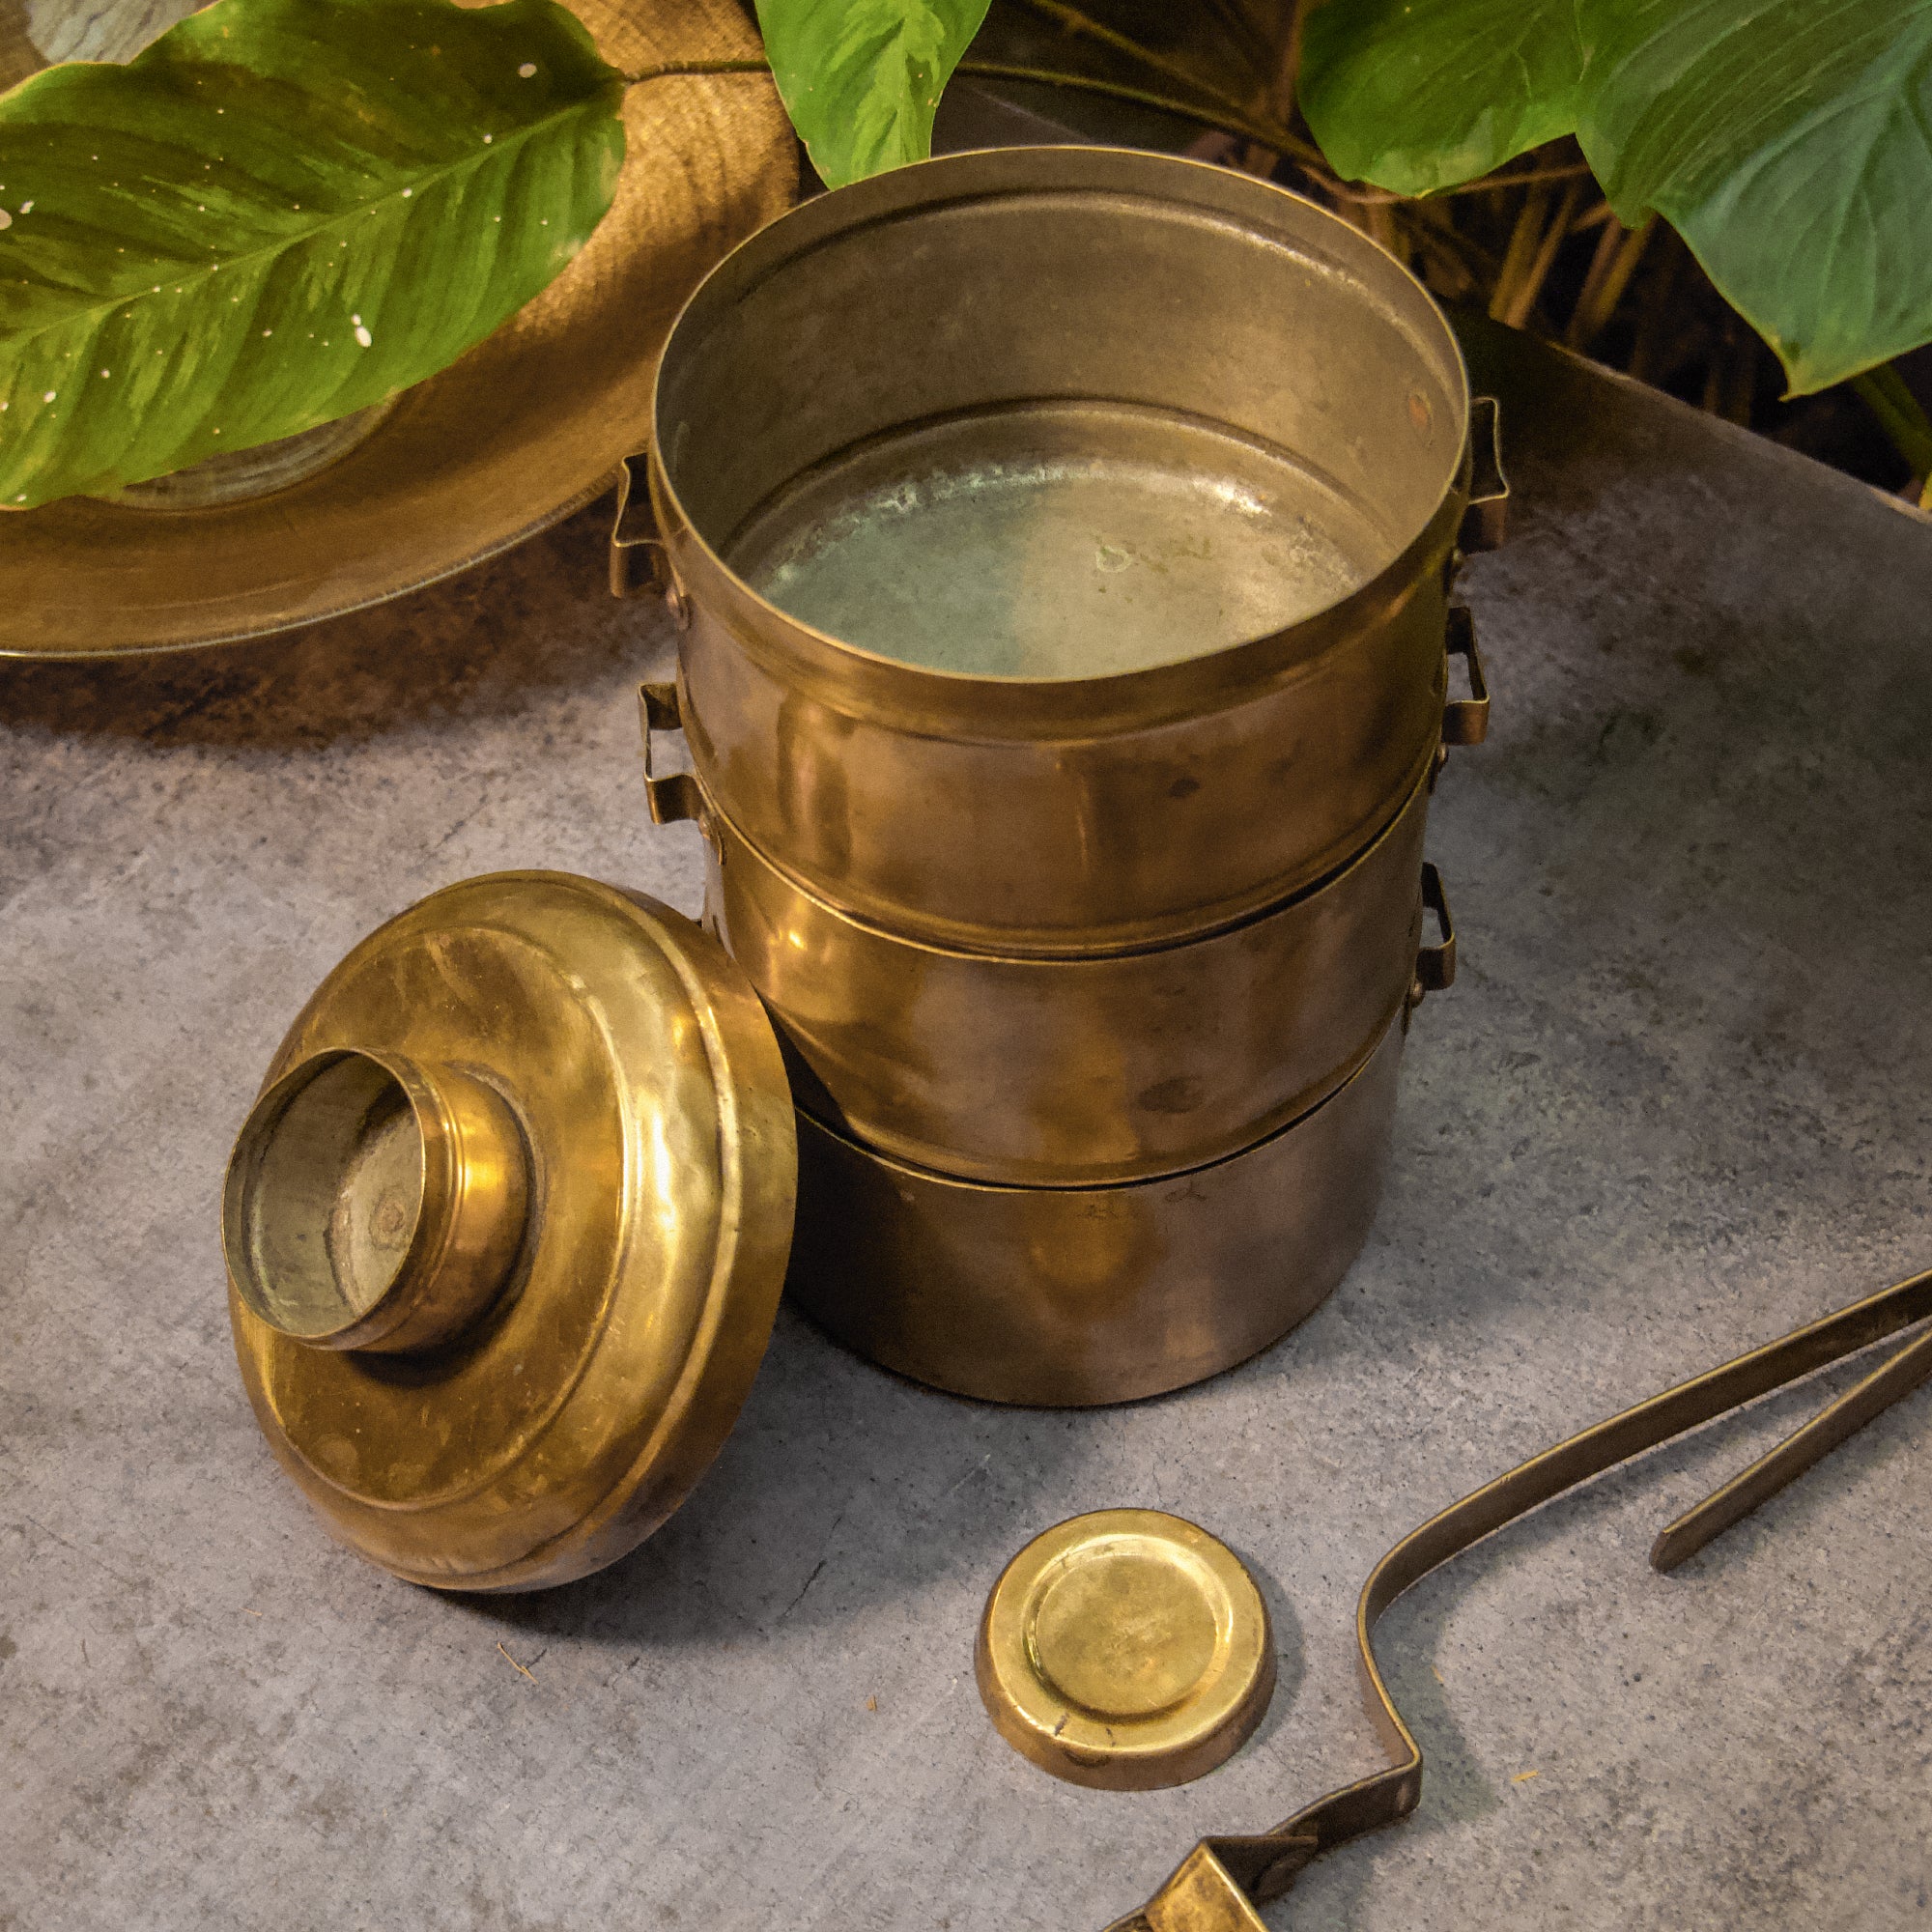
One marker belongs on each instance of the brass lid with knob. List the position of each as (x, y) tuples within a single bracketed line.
[(1125, 1649), (506, 1229)]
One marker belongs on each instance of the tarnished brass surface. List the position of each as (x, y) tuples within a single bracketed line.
[(1125, 1649), (1189, 307), (1066, 1296), (507, 1229), (1070, 1071), (1219, 1885), (526, 427)]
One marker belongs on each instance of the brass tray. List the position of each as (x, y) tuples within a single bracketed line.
[(527, 427)]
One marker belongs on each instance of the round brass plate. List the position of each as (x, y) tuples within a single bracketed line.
[(636, 1068), (527, 426), (1128, 1649)]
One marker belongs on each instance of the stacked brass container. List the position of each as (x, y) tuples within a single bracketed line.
[(1091, 973)]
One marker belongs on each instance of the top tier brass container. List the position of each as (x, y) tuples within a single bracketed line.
[(1033, 380)]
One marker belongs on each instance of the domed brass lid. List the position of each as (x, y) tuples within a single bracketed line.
[(1126, 1649), (507, 1227)]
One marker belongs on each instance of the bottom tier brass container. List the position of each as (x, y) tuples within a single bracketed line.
[(1070, 1297)]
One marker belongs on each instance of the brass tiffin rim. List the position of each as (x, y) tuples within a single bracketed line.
[(934, 1177), (464, 1225), (1240, 919), (1125, 1649), (821, 663)]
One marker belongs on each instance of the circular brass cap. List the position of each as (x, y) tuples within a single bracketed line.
[(1125, 1649)]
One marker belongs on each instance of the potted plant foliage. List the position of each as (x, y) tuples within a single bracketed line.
[(283, 213)]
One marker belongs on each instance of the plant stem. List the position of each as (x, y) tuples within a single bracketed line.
[(1486, 185), (1222, 114), (1281, 139), (1884, 393), (1525, 237), (1523, 301), (1618, 252), (671, 68), (1207, 114), (1240, 25), (1213, 111)]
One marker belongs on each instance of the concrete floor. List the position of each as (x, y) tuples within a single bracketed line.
[(1677, 1103)]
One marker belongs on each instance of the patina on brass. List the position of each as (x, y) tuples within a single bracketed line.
[(1125, 1649), (1220, 1885), (1099, 374), (507, 1227), (1072, 1071), (524, 428), (1073, 1296)]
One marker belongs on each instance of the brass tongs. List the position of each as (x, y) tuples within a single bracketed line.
[(1218, 1886)]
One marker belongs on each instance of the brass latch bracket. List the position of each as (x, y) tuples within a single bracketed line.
[(1486, 520), (671, 795), (1219, 1884), (639, 562), (1465, 720)]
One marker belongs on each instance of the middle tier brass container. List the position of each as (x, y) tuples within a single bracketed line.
[(1267, 421), (1073, 1072)]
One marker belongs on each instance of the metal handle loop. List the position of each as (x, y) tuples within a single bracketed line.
[(635, 542), (1485, 520), (1434, 965), (675, 795), (1465, 720)]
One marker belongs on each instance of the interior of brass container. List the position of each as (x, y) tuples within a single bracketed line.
[(327, 1197), (1059, 413)]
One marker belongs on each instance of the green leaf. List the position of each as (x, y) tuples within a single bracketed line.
[(862, 78), (281, 212), (1421, 95), (1789, 141)]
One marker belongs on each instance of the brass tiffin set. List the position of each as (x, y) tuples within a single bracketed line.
[(1064, 644), (1060, 543), (1062, 664)]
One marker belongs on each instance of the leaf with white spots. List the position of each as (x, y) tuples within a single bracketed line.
[(281, 213)]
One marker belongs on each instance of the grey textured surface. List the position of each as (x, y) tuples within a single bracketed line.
[(1677, 1103)]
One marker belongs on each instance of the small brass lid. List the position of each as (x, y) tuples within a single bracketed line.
[(506, 1229), (1125, 1649)]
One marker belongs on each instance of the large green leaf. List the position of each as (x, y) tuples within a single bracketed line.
[(281, 212), (862, 78), (1421, 95), (1789, 141)]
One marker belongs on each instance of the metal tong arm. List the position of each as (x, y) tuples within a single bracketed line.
[(1218, 1886)]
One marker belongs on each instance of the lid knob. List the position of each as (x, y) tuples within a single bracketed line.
[(1125, 1649), (374, 1201)]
